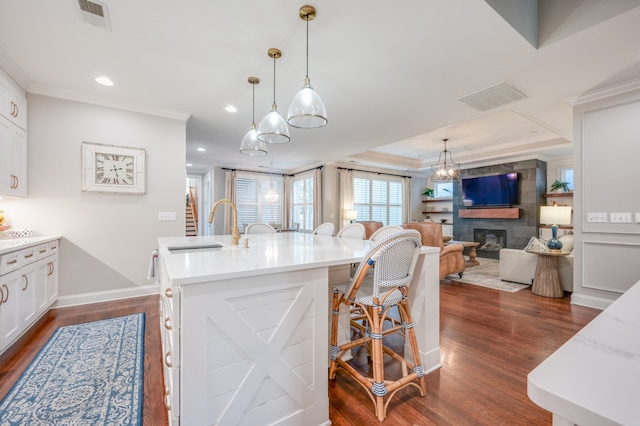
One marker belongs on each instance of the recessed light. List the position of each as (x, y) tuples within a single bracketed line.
[(201, 149), (189, 164), (230, 108), (105, 81)]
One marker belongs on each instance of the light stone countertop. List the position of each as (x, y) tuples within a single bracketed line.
[(594, 378), (285, 251), (8, 245)]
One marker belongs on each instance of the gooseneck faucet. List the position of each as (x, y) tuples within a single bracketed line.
[(235, 233)]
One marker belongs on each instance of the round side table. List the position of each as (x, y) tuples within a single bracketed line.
[(546, 281)]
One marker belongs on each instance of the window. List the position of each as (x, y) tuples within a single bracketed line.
[(250, 198), (443, 190), (302, 201), (378, 199), (566, 175)]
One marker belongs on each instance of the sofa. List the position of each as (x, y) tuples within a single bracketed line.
[(519, 266), (451, 256)]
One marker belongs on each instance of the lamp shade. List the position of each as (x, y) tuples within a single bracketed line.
[(351, 214), (251, 145), (555, 215), (307, 110)]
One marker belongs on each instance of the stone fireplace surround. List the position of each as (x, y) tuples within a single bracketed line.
[(532, 183)]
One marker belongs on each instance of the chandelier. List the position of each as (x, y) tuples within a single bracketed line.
[(271, 196), (443, 170)]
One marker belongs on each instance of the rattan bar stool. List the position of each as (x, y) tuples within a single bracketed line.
[(370, 298)]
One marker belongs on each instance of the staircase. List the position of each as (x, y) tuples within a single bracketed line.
[(191, 218)]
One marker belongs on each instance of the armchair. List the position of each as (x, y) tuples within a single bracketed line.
[(370, 227), (451, 256)]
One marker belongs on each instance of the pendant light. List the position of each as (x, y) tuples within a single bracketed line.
[(273, 128), (271, 196), (307, 110), (250, 144), (444, 171)]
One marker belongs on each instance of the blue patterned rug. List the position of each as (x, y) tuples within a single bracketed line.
[(86, 374)]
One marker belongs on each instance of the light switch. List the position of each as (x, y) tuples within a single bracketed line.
[(167, 216), (599, 217), (621, 217)]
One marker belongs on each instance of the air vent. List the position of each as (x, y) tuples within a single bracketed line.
[(492, 97), (95, 13)]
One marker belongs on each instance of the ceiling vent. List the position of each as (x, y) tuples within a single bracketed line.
[(492, 97), (95, 13)]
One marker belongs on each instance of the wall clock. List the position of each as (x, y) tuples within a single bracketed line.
[(111, 168)]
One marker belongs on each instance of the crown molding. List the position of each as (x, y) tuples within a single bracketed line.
[(598, 94), (101, 101)]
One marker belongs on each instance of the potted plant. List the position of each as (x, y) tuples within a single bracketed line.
[(556, 185), (428, 193)]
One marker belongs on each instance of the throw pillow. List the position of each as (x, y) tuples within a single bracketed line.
[(536, 244), (567, 243)]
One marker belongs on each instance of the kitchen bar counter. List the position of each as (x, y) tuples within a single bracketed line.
[(594, 378), (245, 330)]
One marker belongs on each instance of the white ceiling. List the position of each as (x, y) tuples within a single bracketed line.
[(389, 73)]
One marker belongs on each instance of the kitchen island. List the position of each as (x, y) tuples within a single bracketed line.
[(594, 378), (245, 330)]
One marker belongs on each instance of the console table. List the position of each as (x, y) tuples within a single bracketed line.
[(546, 281)]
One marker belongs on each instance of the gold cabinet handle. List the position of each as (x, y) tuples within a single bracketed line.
[(27, 256), (167, 359), (42, 251), (50, 268), (14, 109), (11, 262), (168, 293), (167, 399), (167, 323), (1, 295), (6, 295), (14, 182), (26, 282)]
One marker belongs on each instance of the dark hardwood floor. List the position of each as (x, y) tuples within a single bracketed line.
[(489, 340), (17, 358)]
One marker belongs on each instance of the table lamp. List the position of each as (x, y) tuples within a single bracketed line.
[(351, 215), (554, 216)]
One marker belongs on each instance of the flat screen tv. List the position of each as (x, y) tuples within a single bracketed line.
[(490, 191)]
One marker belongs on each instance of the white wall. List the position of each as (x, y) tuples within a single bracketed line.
[(106, 238), (606, 149)]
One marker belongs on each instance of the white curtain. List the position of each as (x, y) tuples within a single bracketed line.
[(318, 205), (229, 194), (406, 205), (287, 182), (346, 195)]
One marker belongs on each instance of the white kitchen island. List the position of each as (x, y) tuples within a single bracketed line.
[(594, 378), (245, 330)]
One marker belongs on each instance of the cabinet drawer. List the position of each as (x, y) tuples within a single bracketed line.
[(42, 251), (10, 262)]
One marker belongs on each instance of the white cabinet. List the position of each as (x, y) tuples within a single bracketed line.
[(13, 141), (28, 287), (170, 332)]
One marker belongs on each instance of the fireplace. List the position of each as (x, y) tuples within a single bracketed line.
[(490, 242)]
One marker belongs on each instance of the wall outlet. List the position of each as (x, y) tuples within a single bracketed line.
[(167, 216), (621, 217), (599, 217)]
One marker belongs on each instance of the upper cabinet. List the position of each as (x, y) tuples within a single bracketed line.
[(13, 104), (13, 141)]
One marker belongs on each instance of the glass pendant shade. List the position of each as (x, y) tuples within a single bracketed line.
[(251, 145), (273, 128), (307, 110)]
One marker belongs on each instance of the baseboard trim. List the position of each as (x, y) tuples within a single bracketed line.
[(590, 301), (105, 296)]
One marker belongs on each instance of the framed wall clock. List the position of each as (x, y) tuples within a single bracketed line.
[(111, 168)]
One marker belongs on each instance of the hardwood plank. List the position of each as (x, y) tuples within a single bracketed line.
[(490, 340)]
